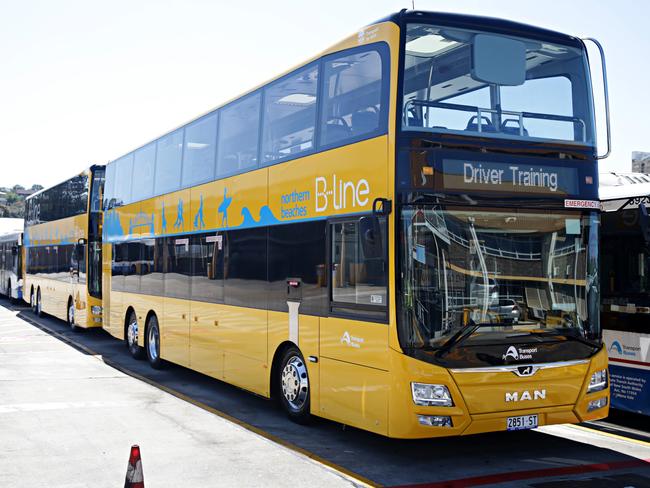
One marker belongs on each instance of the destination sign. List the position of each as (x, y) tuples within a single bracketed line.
[(509, 177)]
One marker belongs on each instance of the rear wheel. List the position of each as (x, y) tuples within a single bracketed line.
[(131, 337), (39, 303), (32, 301), (71, 323), (152, 343), (9, 295), (293, 386)]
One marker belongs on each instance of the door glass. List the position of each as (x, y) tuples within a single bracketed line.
[(359, 263)]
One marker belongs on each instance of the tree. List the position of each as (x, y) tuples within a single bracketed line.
[(36, 187)]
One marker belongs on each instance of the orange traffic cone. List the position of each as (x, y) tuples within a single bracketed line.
[(134, 476)]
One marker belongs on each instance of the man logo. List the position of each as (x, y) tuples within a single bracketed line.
[(525, 370), (515, 396), (511, 353)]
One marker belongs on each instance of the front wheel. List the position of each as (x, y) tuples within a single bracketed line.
[(152, 343), (32, 301), (71, 322), (293, 386), (132, 333)]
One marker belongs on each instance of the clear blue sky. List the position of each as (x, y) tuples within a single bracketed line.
[(85, 81)]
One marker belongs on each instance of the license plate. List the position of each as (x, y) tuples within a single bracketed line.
[(521, 423)]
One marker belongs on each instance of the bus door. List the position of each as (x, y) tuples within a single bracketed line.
[(354, 337)]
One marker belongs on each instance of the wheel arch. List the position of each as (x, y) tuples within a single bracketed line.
[(128, 312), (275, 365)]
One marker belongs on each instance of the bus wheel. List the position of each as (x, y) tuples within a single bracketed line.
[(9, 295), (39, 304), (132, 333), (152, 343), (32, 301), (293, 386), (71, 322)]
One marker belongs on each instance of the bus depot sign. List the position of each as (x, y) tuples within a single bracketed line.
[(509, 177)]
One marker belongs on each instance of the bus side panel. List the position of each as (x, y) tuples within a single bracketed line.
[(354, 373), (206, 350), (175, 331), (354, 395), (243, 333)]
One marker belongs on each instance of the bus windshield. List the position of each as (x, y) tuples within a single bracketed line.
[(495, 85), (525, 271)]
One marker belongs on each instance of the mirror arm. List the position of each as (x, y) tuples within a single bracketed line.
[(606, 90), (382, 206)]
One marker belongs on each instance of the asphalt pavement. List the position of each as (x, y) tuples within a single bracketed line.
[(71, 404)]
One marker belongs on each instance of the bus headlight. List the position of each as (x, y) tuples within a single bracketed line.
[(598, 381), (431, 395), (96, 310)]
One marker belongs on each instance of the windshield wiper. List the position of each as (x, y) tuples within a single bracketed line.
[(463, 334)]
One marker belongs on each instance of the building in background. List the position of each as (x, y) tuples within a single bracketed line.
[(640, 162)]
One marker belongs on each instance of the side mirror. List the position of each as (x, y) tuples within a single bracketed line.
[(370, 235), (79, 252), (498, 60)]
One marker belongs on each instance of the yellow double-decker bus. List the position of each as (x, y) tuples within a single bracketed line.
[(62, 250), (400, 234)]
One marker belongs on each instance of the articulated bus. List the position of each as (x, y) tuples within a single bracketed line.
[(11, 276), (62, 248), (400, 234), (625, 244)]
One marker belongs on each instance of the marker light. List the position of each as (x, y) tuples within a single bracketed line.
[(598, 381), (434, 420), (96, 310), (596, 404), (431, 395)]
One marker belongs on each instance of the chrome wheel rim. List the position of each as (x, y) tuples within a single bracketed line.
[(38, 304), (132, 332), (295, 384), (153, 343), (31, 301), (71, 314)]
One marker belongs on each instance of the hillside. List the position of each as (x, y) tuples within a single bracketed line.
[(12, 200)]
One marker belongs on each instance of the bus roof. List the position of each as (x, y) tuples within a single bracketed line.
[(614, 186), (479, 22)]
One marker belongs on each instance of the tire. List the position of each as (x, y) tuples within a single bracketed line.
[(9, 296), (152, 343), (39, 303), (70, 316), (293, 386), (131, 336), (32, 301)]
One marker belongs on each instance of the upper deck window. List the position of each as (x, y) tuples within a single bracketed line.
[(461, 81), (354, 100)]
